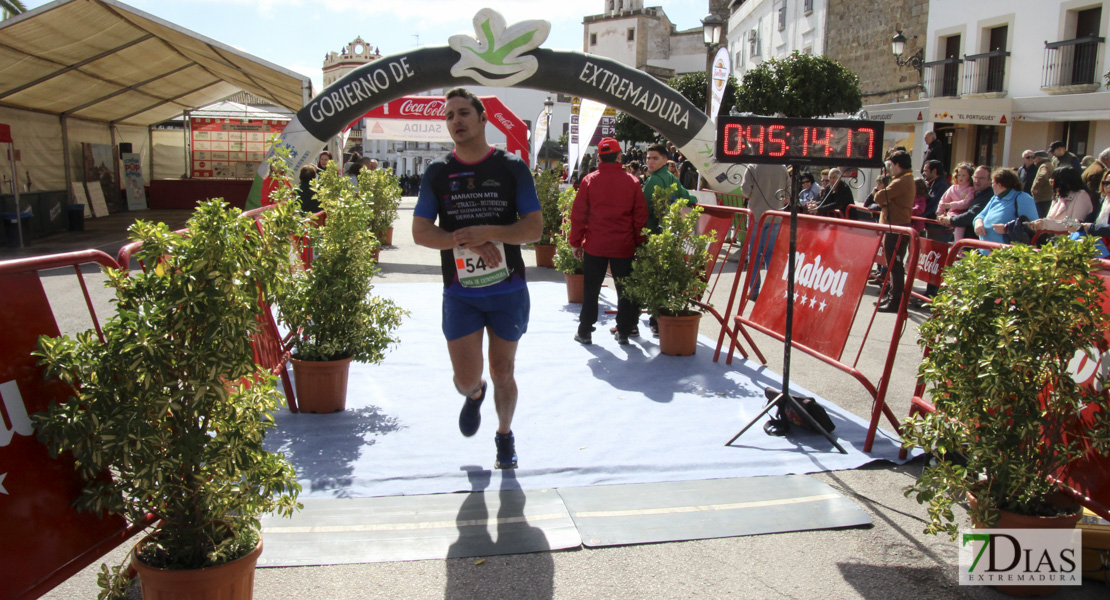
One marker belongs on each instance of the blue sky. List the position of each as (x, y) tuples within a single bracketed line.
[(297, 34)]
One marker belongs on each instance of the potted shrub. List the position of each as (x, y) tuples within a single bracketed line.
[(168, 413), (329, 307), (565, 262), (668, 274), (547, 188), (1004, 329), (380, 189)]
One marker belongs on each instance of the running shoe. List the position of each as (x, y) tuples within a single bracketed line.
[(471, 418), (506, 451)]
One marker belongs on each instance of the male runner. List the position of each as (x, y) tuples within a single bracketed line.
[(486, 204)]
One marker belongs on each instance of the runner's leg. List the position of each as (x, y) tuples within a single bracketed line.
[(466, 361), (502, 364)]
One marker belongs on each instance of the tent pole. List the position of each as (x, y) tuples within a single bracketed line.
[(150, 151), (65, 156), (116, 159), (188, 147)]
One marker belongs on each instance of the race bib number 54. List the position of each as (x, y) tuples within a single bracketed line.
[(473, 270)]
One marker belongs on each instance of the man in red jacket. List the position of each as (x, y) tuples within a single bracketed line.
[(609, 212)]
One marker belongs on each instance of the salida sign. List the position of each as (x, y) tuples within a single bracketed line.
[(421, 119)]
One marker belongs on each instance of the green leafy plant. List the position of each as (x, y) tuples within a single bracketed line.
[(668, 271), (630, 129), (330, 305), (547, 188), (1004, 329), (695, 88), (168, 413), (565, 261), (785, 86), (379, 188)]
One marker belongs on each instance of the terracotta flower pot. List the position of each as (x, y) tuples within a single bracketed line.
[(1013, 520), (545, 255), (321, 385), (229, 581), (387, 238), (575, 284), (678, 335)]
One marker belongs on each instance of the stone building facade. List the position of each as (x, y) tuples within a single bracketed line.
[(643, 38), (858, 34)]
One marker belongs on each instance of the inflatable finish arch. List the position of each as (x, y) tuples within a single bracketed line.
[(504, 57)]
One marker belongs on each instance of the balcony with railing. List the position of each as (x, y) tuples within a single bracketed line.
[(942, 78), (1071, 66), (985, 74)]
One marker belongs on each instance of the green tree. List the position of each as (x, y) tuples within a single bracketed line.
[(800, 86), (695, 87), (11, 8), (631, 129)]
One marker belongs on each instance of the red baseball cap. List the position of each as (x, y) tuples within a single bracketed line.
[(608, 146)]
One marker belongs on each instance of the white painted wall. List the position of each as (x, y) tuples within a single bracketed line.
[(612, 40), (803, 30), (1031, 23)]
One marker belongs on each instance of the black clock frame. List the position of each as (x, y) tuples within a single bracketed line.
[(834, 129)]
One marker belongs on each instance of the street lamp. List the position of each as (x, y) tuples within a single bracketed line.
[(711, 27), (898, 46), (547, 106)]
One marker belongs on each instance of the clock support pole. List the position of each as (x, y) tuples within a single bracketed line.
[(783, 396)]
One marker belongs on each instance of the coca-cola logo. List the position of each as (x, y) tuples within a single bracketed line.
[(929, 262), (423, 108), (504, 120)]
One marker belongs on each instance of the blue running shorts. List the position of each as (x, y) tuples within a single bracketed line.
[(506, 314)]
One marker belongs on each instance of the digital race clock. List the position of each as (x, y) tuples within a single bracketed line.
[(832, 142)]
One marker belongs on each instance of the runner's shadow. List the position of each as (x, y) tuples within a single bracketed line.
[(643, 370), (531, 574)]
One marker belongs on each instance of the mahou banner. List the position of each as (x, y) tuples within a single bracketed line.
[(831, 265), (42, 532)]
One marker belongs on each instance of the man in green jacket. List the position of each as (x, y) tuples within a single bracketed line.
[(659, 176)]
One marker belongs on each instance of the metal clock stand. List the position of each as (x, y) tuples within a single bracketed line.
[(783, 396)]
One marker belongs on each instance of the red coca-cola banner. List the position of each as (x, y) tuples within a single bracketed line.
[(42, 532), (410, 107), (831, 265), (930, 260), (432, 107)]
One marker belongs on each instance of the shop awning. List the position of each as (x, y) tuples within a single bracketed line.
[(105, 61), (1070, 107)]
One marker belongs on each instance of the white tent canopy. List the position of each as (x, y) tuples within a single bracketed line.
[(101, 60), (102, 72)]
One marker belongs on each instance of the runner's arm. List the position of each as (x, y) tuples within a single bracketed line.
[(426, 233), (526, 230)]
